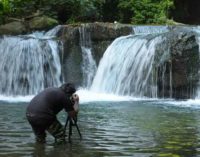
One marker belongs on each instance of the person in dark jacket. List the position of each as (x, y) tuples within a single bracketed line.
[(43, 108)]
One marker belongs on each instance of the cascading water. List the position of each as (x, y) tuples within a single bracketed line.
[(88, 65), (127, 67), (29, 63)]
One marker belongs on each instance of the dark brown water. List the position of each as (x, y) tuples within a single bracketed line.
[(138, 128)]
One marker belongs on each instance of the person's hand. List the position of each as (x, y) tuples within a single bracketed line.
[(72, 114)]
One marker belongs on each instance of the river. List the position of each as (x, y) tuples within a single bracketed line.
[(139, 128)]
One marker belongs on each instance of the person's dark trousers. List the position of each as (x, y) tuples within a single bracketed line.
[(57, 131), (40, 126)]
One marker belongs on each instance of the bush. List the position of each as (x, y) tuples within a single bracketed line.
[(148, 11)]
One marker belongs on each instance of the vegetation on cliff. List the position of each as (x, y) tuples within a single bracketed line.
[(69, 11)]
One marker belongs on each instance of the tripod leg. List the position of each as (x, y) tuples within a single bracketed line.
[(65, 127), (70, 131), (66, 123), (78, 131)]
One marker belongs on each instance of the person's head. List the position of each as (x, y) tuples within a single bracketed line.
[(68, 88)]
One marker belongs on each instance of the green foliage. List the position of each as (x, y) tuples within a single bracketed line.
[(16, 8), (4, 9), (71, 11), (6, 6), (84, 10)]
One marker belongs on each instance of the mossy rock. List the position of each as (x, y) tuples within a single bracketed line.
[(42, 23)]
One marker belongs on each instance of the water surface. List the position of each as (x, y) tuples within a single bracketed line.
[(133, 128)]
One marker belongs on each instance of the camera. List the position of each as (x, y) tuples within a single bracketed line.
[(75, 101), (74, 98)]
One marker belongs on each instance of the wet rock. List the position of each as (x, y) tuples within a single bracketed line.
[(181, 61), (101, 35)]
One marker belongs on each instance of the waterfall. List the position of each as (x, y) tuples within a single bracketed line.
[(151, 63), (127, 67), (29, 63), (88, 65)]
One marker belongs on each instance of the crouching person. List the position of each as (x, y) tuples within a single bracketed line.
[(43, 108)]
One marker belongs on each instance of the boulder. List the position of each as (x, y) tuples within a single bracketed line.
[(13, 28), (108, 31), (24, 26), (42, 23)]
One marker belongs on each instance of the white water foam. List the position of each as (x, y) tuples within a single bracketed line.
[(84, 96), (89, 96), (16, 99), (189, 103)]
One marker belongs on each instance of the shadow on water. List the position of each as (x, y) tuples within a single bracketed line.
[(137, 128)]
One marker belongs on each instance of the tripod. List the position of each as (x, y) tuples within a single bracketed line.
[(72, 122)]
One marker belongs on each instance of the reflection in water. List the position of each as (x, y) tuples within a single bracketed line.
[(140, 129), (39, 150)]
